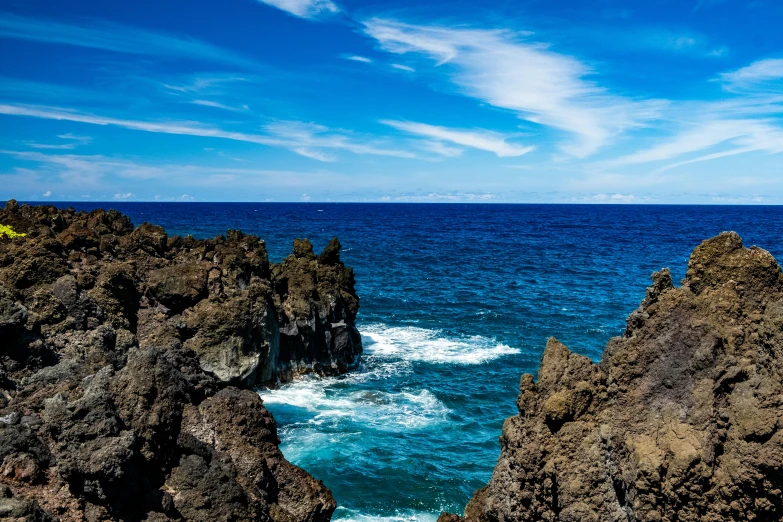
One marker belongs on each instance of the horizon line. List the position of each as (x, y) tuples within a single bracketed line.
[(477, 203)]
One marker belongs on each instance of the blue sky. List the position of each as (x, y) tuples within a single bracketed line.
[(609, 101)]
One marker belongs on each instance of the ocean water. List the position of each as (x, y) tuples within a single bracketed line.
[(457, 301)]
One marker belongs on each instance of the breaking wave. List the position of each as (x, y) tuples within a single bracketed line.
[(412, 343)]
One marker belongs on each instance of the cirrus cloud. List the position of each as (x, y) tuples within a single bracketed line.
[(117, 38), (477, 139), (309, 9), (757, 75), (305, 139), (504, 69)]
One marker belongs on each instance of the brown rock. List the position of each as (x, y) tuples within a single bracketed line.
[(78, 237), (681, 419), (179, 286), (303, 248), (148, 238), (331, 253)]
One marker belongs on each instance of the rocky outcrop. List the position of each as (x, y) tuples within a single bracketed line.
[(125, 355), (682, 420), (317, 310)]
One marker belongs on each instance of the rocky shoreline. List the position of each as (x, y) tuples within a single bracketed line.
[(126, 358), (681, 420)]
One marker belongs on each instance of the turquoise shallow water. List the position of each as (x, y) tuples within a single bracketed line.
[(457, 303)]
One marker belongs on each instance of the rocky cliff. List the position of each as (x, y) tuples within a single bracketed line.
[(125, 358), (682, 420)]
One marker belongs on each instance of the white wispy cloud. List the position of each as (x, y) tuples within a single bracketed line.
[(200, 84), (302, 138), (51, 146), (724, 137), (218, 91), (309, 9), (440, 148), (403, 67), (310, 137), (90, 170), (117, 38), (218, 105), (505, 70), (314, 154), (477, 139), (127, 195), (47, 194), (758, 75), (357, 58), (73, 142), (699, 136), (75, 137), (666, 40), (747, 120), (674, 41), (84, 169), (608, 36), (44, 92)]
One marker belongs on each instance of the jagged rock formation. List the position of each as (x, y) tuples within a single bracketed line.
[(123, 354), (682, 420)]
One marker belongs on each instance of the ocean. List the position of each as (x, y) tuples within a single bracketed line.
[(457, 301)]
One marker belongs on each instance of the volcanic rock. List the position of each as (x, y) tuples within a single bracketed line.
[(682, 419), (123, 354)]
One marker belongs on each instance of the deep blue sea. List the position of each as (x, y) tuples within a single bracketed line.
[(457, 301)]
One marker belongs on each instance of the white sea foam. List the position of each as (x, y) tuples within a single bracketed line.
[(382, 410), (348, 515), (363, 398), (412, 343)]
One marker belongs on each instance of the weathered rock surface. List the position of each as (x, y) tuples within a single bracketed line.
[(682, 420), (123, 354)]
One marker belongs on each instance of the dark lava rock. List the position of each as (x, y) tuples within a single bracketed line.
[(179, 286), (682, 420), (250, 322), (12, 313), (331, 253), (122, 355), (316, 309)]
